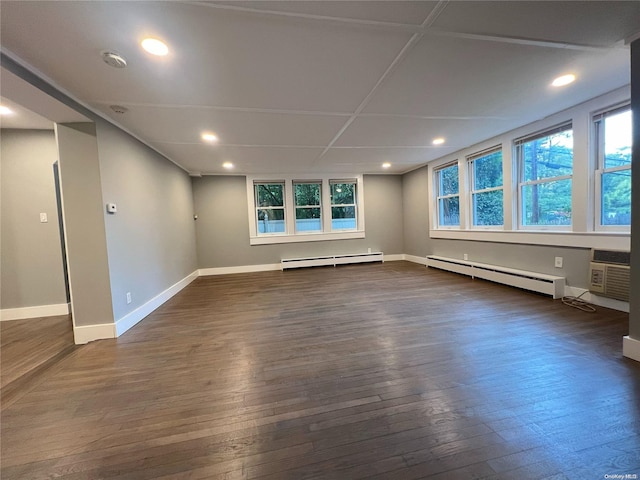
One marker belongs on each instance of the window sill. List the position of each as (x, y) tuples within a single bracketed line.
[(307, 237), (604, 240)]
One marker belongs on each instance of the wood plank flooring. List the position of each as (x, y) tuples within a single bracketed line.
[(27, 348), (381, 371)]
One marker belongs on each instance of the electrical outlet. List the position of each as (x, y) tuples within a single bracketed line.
[(128, 297), (558, 262), (43, 218), (465, 257)]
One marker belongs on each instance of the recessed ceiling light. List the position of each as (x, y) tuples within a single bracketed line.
[(155, 47), (227, 165), (438, 141), (5, 110), (209, 137), (386, 165), (564, 80)]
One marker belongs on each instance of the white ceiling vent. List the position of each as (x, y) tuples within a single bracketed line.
[(114, 59), (119, 109)]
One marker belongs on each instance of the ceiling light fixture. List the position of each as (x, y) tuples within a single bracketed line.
[(5, 110), (209, 137), (386, 165), (227, 165), (438, 141), (564, 80), (119, 109), (114, 59), (155, 47)]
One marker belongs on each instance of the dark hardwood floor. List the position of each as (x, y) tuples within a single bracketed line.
[(389, 371), (28, 348)]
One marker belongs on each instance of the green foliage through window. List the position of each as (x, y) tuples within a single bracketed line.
[(486, 197), (546, 164), (308, 212), (343, 206), (448, 196), (613, 129)]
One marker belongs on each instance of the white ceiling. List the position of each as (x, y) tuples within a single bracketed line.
[(22, 118), (323, 86)]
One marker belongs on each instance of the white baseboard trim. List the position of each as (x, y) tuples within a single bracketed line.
[(266, 267), (631, 348), (393, 257), (88, 333), (596, 299), (133, 317), (415, 259), (34, 312)]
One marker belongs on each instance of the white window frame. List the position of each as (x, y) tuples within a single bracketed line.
[(296, 206), (518, 144), (473, 192), (290, 235), (354, 205), (583, 233), (598, 147), (438, 196), (257, 208)]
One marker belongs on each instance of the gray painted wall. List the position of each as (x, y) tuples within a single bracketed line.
[(84, 224), (31, 255), (222, 228), (151, 239), (536, 258), (415, 209)]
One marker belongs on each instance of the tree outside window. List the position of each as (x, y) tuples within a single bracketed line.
[(343, 205), (448, 200), (546, 169), (486, 192), (613, 173), (270, 207), (307, 198)]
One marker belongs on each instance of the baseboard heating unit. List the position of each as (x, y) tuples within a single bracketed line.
[(331, 260), (537, 282)]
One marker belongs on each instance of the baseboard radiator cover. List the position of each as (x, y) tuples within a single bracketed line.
[(331, 260), (534, 281)]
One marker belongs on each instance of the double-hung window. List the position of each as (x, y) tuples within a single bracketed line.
[(485, 170), (545, 164), (613, 171), (270, 206), (448, 195), (344, 206), (308, 200)]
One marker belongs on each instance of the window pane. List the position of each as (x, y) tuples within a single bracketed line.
[(548, 157), (308, 219), (270, 194), (487, 208), (616, 198), (449, 211), (487, 171), (307, 193), (448, 180), (617, 139), (343, 218), (547, 203), (343, 193), (271, 220)]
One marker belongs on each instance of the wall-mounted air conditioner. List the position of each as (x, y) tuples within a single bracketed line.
[(609, 273)]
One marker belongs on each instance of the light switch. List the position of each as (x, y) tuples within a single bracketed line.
[(43, 218)]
